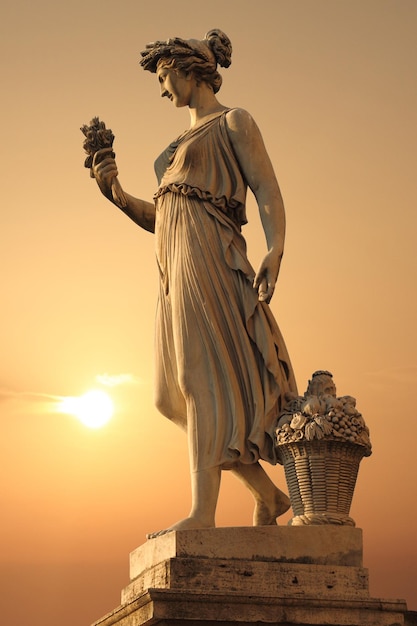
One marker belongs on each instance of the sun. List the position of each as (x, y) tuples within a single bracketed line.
[(94, 408)]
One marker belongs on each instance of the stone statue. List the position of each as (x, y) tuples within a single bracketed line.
[(222, 368)]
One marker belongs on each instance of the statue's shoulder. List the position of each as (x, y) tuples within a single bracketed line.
[(239, 120)]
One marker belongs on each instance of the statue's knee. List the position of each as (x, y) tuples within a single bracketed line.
[(161, 400), (171, 404)]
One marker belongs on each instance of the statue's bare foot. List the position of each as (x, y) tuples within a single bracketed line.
[(189, 523), (266, 514)]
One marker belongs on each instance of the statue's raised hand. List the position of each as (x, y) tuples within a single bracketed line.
[(98, 144), (104, 170)]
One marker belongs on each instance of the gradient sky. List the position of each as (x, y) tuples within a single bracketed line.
[(332, 85)]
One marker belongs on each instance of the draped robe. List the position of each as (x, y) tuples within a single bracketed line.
[(222, 367)]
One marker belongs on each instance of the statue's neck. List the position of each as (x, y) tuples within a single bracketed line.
[(203, 104)]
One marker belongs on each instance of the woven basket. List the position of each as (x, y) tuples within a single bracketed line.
[(321, 477)]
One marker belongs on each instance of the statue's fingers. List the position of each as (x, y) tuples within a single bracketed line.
[(101, 154), (270, 293), (263, 290), (259, 277)]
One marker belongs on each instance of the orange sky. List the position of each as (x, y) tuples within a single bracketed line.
[(332, 85)]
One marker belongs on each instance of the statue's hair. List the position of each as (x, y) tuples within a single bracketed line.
[(192, 56)]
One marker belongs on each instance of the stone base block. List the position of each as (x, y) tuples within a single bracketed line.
[(269, 561), (320, 545), (244, 577), (169, 608), (310, 575)]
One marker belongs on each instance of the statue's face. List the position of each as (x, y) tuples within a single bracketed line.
[(175, 85)]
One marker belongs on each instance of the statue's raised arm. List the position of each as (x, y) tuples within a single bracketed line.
[(98, 145)]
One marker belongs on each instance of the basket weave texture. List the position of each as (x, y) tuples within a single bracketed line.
[(321, 477)]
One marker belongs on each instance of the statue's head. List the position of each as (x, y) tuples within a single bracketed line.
[(191, 56)]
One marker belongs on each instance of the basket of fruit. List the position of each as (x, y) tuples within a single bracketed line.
[(320, 441)]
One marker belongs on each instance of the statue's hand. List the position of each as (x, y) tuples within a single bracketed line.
[(104, 170), (267, 275)]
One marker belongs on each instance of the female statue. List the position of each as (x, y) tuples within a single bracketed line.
[(222, 368)]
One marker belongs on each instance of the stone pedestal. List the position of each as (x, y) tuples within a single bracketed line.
[(311, 575)]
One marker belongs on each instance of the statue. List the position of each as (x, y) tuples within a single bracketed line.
[(222, 368)]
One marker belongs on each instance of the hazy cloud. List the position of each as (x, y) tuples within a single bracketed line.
[(29, 396), (29, 402), (113, 380)]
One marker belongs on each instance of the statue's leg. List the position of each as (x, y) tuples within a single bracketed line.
[(205, 485), (270, 502)]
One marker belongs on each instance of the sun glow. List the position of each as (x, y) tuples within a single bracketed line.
[(94, 408)]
